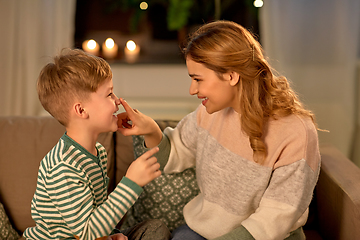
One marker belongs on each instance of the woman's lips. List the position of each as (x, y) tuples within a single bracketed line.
[(205, 101)]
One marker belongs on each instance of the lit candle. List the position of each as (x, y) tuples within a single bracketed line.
[(109, 48), (131, 51), (91, 46)]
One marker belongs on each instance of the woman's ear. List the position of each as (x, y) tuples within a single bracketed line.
[(234, 78)]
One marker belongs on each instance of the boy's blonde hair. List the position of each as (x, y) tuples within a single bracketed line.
[(73, 75)]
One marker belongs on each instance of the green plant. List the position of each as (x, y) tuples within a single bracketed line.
[(180, 13)]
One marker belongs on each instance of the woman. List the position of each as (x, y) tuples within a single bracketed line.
[(254, 145)]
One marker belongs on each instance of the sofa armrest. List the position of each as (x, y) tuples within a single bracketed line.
[(338, 196)]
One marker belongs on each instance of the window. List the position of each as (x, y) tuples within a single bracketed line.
[(159, 29)]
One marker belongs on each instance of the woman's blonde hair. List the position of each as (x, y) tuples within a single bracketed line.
[(225, 46), (72, 76)]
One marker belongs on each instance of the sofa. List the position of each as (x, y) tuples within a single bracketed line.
[(24, 141)]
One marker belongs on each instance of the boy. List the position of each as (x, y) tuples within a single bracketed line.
[(71, 199)]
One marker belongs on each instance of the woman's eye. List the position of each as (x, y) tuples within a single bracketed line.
[(110, 95)]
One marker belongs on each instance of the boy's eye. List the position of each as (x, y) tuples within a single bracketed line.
[(110, 94)]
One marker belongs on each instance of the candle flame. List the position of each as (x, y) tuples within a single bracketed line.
[(91, 44), (131, 45), (109, 43)]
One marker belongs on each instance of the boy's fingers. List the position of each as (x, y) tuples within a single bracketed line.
[(151, 152), (151, 161), (157, 173), (155, 167)]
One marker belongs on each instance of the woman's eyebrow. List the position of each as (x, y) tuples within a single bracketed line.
[(193, 75)]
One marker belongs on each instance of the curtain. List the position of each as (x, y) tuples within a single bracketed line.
[(315, 44), (32, 31)]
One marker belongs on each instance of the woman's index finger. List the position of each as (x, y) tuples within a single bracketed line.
[(126, 106)]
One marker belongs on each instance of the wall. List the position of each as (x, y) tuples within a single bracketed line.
[(158, 90), (315, 44)]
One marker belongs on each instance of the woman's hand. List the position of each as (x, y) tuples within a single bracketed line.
[(133, 122)]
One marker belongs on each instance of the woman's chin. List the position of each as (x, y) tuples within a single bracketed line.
[(209, 111)]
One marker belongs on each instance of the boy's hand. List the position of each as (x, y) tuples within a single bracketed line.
[(140, 125), (144, 169)]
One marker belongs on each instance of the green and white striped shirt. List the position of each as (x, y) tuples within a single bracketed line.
[(71, 194)]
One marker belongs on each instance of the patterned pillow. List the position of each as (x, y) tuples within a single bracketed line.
[(163, 198), (6, 230)]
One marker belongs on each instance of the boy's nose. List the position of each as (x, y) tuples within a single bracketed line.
[(117, 100)]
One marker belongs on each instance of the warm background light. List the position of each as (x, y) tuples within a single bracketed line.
[(132, 51), (109, 49), (143, 5), (131, 45), (258, 3), (91, 46), (109, 43)]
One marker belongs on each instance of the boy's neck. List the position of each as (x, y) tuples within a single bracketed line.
[(84, 138)]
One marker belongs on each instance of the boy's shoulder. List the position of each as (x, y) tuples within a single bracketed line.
[(55, 155), (70, 153), (53, 158)]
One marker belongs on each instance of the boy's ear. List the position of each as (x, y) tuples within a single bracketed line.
[(80, 111)]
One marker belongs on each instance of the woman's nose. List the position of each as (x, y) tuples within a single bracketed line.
[(193, 88)]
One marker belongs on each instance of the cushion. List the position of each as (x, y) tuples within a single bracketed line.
[(124, 155), (25, 141), (163, 198), (6, 229)]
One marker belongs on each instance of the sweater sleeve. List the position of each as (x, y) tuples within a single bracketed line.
[(236, 234), (183, 142), (177, 148)]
